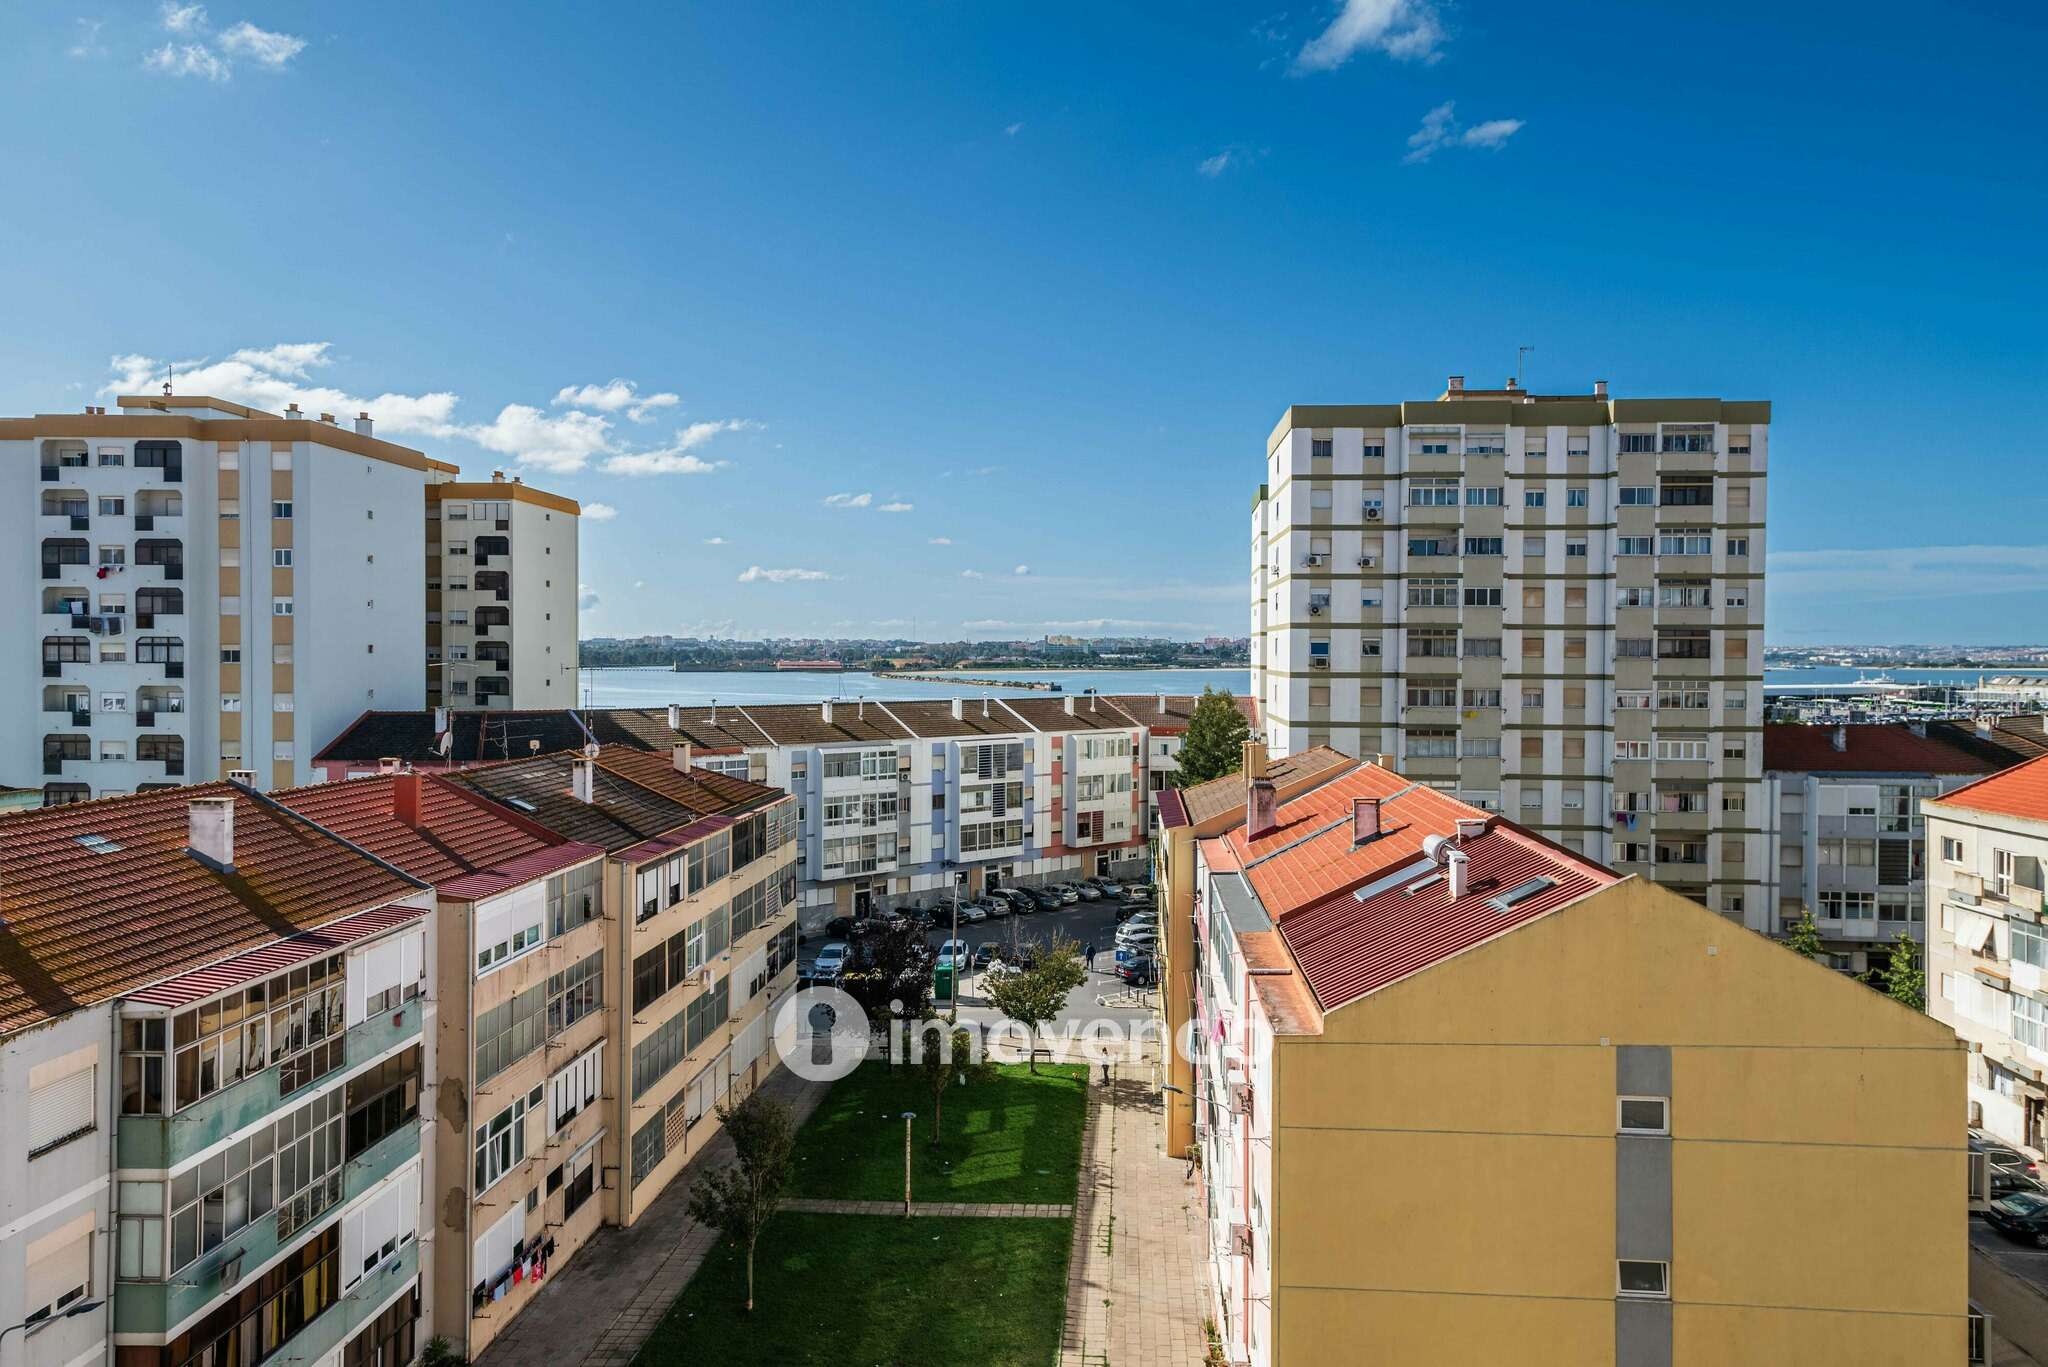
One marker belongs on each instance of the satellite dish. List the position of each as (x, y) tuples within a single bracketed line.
[(533, 747), (589, 751)]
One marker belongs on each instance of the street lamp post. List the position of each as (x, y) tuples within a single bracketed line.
[(75, 1308), (908, 1116), (953, 1010)]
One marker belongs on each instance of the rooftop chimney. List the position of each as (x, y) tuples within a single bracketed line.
[(1840, 738), (684, 757), (211, 835), (1599, 389), (328, 418), (1254, 759), (1162, 704), (405, 798), (959, 708), (583, 781), (497, 476), (714, 711), (825, 709), (1383, 760), (363, 424), (1454, 873), (388, 765), (1070, 704), (1261, 808), (1471, 827), (291, 410), (245, 777), (1365, 819), (1457, 384), (1511, 384)]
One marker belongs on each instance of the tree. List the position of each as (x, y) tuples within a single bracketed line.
[(945, 1056), (1902, 978), (1214, 744), (890, 963), (1035, 995), (1805, 937), (740, 1198)]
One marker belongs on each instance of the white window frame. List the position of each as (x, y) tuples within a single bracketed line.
[(1621, 1125), (1664, 1277)]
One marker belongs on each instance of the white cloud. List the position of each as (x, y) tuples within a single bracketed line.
[(260, 45), (941, 541), (560, 442), (893, 622), (754, 574), (896, 508), (1440, 129), (586, 597), (88, 44), (1014, 129), (971, 574), (1236, 154), (662, 463), (847, 500), (639, 583), (599, 512), (181, 18), (1021, 569), (716, 541), (1407, 30), (193, 59), (697, 433), (614, 397)]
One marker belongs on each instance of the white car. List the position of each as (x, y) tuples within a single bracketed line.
[(830, 963), (955, 954)]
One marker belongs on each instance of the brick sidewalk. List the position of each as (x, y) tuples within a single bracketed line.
[(814, 1205), (606, 1301), (1136, 1280)]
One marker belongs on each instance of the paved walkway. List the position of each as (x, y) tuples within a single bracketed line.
[(606, 1300), (988, 1210), (1136, 1283), (2018, 1308)]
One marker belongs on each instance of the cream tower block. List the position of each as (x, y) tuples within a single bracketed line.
[(1549, 605)]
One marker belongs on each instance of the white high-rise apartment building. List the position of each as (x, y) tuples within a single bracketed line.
[(501, 594), (1549, 605), (201, 589)]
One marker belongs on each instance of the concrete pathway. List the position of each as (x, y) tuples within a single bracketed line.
[(2017, 1306), (813, 1205), (1136, 1282), (606, 1301)]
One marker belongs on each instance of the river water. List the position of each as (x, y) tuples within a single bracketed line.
[(660, 687)]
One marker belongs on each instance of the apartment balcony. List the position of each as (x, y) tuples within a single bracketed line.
[(57, 524), (154, 1307), (78, 718), (164, 524), (154, 1141)]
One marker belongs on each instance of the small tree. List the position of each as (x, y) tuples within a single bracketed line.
[(739, 1199), (1902, 978), (945, 1057), (890, 964), (1214, 744), (1035, 995), (1805, 937)]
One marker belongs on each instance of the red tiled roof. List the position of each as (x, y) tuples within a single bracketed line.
[(1347, 948), (459, 833), (1173, 813), (79, 926), (1875, 748), (1205, 801), (2019, 791), (261, 963)]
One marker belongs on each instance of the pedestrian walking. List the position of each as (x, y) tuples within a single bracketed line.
[(1088, 955)]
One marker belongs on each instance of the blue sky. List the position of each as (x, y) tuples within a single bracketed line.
[(1042, 277)]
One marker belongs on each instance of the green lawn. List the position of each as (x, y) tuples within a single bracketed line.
[(876, 1289), (1015, 1138)]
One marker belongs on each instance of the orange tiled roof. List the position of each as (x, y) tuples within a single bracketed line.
[(81, 923), (2020, 791), (459, 832)]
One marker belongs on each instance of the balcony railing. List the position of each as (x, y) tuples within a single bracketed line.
[(145, 522)]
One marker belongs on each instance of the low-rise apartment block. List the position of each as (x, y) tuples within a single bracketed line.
[(501, 593), (897, 800), (1987, 944), (1844, 832), (203, 588), (1550, 606), (214, 1015), (1392, 990)]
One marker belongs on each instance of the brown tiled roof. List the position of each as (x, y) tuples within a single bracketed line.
[(2001, 740), (625, 810), (460, 831), (1219, 795), (79, 926), (1877, 748), (805, 724), (1169, 713), (1050, 714), (932, 718), (700, 790)]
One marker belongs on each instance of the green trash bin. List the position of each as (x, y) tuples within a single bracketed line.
[(942, 983)]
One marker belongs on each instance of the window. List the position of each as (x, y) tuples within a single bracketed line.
[(1532, 545), (1482, 545), (280, 607), (510, 1031), (1951, 850), (1478, 496), (1632, 545), (1432, 545), (1482, 598), (1532, 747), (501, 1142), (1532, 596), (1575, 597), (1682, 747), (1482, 697), (1320, 447), (1432, 744), (1482, 647), (1575, 498), (63, 1106), (1533, 697), (1638, 441), (1738, 545), (1631, 749), (1436, 448), (1432, 693), (1428, 642), (382, 1098), (1319, 498), (1632, 647), (1574, 747), (1686, 492), (281, 510), (1375, 450), (1684, 645), (1685, 541), (1433, 493), (1433, 593), (58, 1269), (2030, 1022), (1637, 496), (1532, 498)]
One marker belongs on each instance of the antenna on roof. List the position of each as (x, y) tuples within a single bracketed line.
[(1520, 353), (170, 373)]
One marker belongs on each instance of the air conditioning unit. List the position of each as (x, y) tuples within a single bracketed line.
[(1316, 558), (1365, 562), (1315, 609), (1319, 664), (1241, 1241), (245, 777), (1241, 1099), (703, 976), (1372, 512)]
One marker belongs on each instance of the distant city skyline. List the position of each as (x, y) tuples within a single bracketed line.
[(831, 336)]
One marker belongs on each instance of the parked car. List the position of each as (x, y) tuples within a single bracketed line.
[(839, 927), (2008, 1181), (1139, 970), (921, 917), (2022, 1215), (973, 913), (1047, 899), (1126, 910), (1068, 893), (1016, 899), (1143, 941), (985, 952), (2001, 1154), (953, 954), (996, 906), (1089, 892), (1136, 924), (830, 963)]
